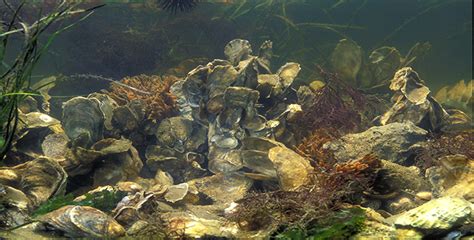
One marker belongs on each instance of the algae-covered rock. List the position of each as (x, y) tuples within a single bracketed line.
[(390, 142)]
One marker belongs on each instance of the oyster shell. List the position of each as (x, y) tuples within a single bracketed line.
[(120, 162), (346, 60), (288, 73), (437, 215), (83, 121), (39, 179), (82, 221), (237, 50), (55, 145), (384, 62), (413, 102), (223, 188)]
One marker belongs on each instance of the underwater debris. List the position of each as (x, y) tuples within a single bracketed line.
[(159, 105)]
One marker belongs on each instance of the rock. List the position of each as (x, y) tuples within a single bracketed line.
[(82, 221), (390, 142), (436, 216), (396, 177), (293, 170), (425, 196)]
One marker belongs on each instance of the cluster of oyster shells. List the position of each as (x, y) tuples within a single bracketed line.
[(413, 102), (348, 61), (219, 111)]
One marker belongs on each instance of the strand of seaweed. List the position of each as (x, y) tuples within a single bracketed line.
[(337, 106), (329, 189)]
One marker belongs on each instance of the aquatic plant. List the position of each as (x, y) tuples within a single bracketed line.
[(154, 91), (331, 187), (340, 225), (177, 5), (104, 200), (15, 77), (336, 106), (445, 144)]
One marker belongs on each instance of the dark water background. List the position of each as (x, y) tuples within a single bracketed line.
[(123, 39)]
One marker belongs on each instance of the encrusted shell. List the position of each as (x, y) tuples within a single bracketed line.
[(438, 214)]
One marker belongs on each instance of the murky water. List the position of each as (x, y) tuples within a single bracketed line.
[(236, 118)]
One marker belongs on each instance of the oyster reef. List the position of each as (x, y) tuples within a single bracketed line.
[(236, 120)]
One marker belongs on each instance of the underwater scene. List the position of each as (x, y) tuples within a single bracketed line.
[(236, 119)]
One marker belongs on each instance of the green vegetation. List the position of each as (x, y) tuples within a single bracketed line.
[(341, 225), (104, 200), (15, 76)]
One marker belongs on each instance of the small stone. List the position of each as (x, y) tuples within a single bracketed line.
[(424, 196)]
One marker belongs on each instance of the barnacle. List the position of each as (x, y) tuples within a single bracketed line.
[(154, 92)]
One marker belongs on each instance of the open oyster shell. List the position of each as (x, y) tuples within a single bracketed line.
[(83, 221)]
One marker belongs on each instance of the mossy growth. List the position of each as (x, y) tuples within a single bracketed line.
[(340, 225), (104, 200)]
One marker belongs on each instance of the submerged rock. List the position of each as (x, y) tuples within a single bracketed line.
[(293, 170), (395, 177), (391, 142)]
